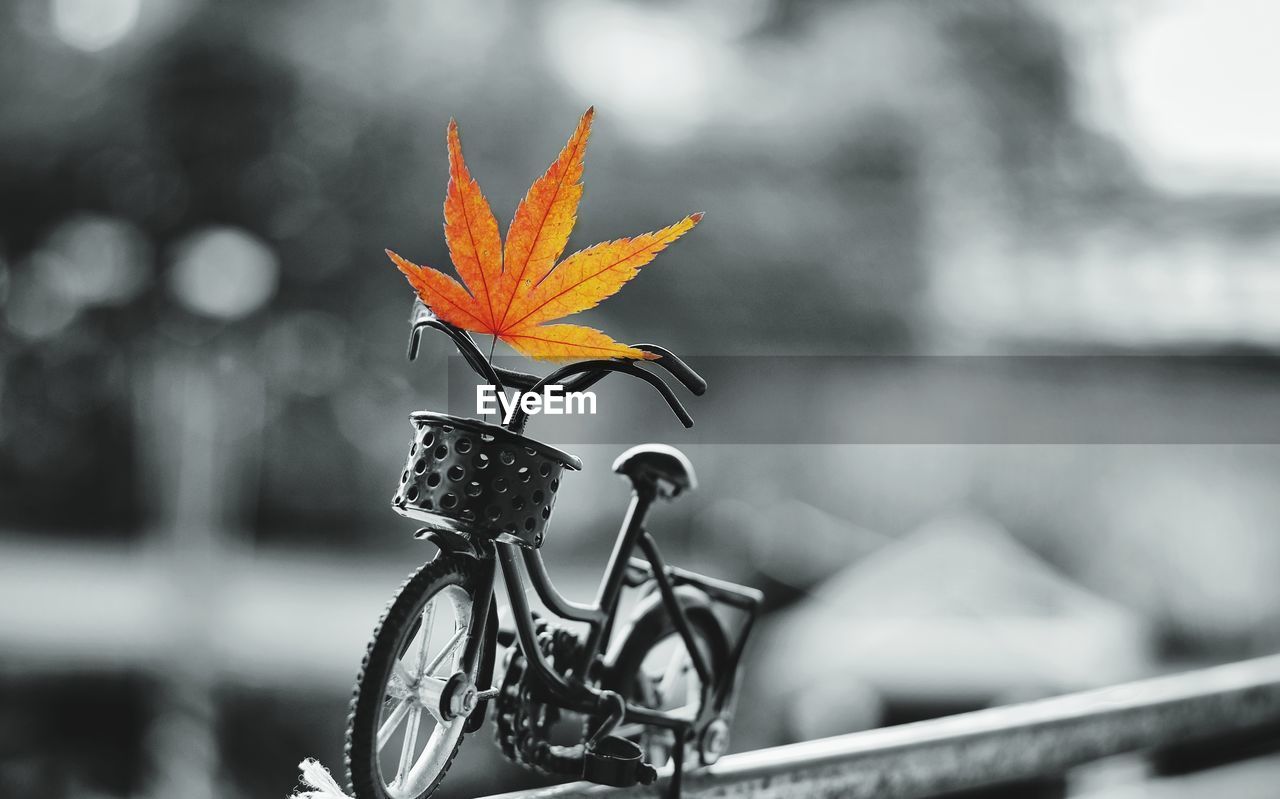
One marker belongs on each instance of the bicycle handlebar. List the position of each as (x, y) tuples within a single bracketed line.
[(584, 373), (678, 368), (596, 370)]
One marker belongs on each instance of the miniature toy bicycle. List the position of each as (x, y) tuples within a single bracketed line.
[(661, 688)]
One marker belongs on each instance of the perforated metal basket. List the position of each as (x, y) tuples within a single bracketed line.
[(468, 477)]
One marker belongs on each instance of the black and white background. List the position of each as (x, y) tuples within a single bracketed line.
[(988, 294)]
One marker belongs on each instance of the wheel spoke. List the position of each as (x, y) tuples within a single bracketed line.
[(692, 689), (429, 692), (399, 672), (397, 688), (409, 745), (430, 670), (676, 666), (441, 741), (658, 746), (428, 616), (648, 687), (392, 721), (659, 687)]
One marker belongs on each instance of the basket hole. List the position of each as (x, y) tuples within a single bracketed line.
[(530, 523), (546, 512), (525, 474), (507, 457), (493, 512), (433, 479), (482, 461), (468, 515), (448, 501), (537, 497), (427, 504), (441, 452), (486, 437), (473, 489), (544, 469), (404, 478), (411, 494), (509, 528), (555, 486), (500, 485), (420, 466), (530, 451), (517, 503), (463, 445), (448, 428), (456, 473), (428, 438)]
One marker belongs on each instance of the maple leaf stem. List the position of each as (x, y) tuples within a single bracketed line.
[(493, 345)]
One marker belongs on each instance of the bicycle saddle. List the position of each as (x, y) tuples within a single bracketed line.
[(661, 465)]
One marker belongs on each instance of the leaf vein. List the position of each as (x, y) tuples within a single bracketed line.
[(592, 276), (475, 249), (579, 143)]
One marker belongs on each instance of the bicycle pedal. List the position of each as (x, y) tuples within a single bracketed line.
[(617, 762)]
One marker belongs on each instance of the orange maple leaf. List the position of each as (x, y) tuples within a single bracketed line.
[(511, 292)]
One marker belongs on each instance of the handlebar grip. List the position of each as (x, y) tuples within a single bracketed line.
[(665, 391), (678, 368), (466, 347), (415, 338), (660, 385), (419, 316)]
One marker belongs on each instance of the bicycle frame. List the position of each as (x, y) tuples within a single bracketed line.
[(522, 568)]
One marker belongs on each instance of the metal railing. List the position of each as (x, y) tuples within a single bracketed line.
[(1021, 742)]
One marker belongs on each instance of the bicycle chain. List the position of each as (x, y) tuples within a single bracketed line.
[(523, 721)]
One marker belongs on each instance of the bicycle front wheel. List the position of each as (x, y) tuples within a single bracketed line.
[(399, 743)]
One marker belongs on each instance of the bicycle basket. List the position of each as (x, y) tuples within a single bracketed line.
[(466, 476)]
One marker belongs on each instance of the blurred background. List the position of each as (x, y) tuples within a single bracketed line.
[(203, 391)]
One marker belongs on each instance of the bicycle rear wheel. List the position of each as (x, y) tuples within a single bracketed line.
[(654, 670), (399, 743)]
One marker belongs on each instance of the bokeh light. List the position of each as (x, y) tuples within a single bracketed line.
[(36, 308), (647, 64), (99, 260), (1198, 87), (93, 25), (224, 273)]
